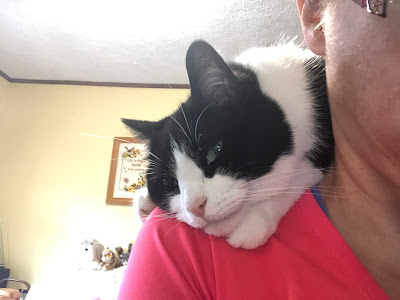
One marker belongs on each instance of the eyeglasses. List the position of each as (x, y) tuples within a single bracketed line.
[(389, 9)]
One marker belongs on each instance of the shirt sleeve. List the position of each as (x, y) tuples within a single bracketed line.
[(169, 260)]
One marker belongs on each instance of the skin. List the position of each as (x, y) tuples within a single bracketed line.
[(362, 191)]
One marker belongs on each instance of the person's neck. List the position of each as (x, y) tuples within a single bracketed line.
[(364, 206)]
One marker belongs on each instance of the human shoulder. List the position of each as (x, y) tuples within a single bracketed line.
[(170, 256), (164, 229)]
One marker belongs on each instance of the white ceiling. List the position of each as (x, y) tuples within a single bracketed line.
[(130, 41)]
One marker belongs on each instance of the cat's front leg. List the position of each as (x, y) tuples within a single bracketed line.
[(260, 222), (142, 204), (262, 218)]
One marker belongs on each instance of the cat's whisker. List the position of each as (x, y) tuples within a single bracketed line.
[(286, 174), (303, 187), (328, 186), (150, 159), (277, 197), (173, 140), (183, 130), (164, 215), (304, 169), (150, 221), (254, 184), (157, 218), (152, 154), (179, 222), (153, 166), (198, 141), (250, 163), (285, 190), (288, 188), (116, 185), (197, 123), (184, 115), (170, 89), (174, 144), (106, 137), (154, 169), (155, 163), (274, 196), (293, 171)]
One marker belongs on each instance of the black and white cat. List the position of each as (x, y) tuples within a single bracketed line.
[(251, 138)]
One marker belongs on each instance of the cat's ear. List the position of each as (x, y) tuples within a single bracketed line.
[(210, 77), (143, 129)]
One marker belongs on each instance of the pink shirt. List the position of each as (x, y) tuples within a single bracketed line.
[(305, 259)]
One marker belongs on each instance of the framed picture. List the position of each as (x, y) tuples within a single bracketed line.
[(127, 170)]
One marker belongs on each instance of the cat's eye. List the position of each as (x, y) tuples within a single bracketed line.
[(169, 181), (214, 152), (170, 184)]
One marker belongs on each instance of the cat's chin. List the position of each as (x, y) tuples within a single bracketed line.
[(226, 225), (222, 226), (191, 220)]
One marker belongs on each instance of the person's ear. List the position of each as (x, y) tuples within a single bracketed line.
[(313, 31)]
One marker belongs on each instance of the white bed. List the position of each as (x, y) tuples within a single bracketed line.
[(80, 285)]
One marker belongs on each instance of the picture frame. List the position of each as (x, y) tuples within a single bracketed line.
[(127, 170)]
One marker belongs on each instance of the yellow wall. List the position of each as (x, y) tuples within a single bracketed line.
[(54, 179)]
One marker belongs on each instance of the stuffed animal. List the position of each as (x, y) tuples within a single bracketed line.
[(123, 257), (119, 250), (110, 260), (91, 254)]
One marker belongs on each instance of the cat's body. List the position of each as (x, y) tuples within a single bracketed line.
[(251, 138)]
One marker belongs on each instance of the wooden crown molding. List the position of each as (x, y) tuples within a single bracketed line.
[(95, 83)]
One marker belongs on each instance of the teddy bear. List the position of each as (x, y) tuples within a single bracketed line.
[(110, 260)]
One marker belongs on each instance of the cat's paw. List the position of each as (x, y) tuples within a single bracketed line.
[(142, 204), (252, 233)]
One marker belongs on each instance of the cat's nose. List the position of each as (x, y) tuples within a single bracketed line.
[(198, 207)]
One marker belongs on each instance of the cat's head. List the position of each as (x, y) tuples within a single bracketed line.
[(225, 135)]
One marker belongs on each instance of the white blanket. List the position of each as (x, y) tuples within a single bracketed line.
[(80, 285)]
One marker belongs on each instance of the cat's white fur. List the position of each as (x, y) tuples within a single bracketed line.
[(281, 75), (247, 214), (223, 194), (142, 204)]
